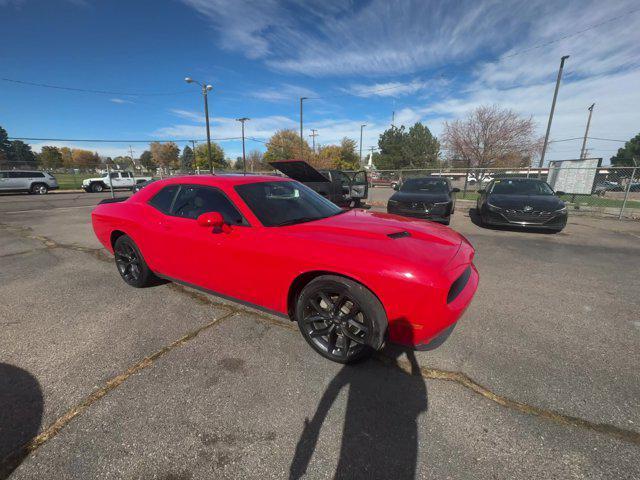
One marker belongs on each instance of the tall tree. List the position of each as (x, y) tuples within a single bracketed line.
[(187, 158), (423, 149), (217, 157), (21, 155), (285, 145), (256, 163), (625, 155), (84, 159), (349, 159), (146, 159), (165, 155), (393, 149), (67, 161), (490, 136), (50, 157), (5, 144)]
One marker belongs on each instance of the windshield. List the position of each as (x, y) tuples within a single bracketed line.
[(425, 185), (285, 203), (524, 186)]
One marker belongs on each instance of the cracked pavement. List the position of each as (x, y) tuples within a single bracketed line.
[(167, 382)]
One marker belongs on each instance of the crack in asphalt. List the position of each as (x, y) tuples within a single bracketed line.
[(457, 377)]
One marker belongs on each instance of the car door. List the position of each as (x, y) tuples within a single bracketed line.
[(359, 185), (14, 181), (4, 181), (220, 260), (116, 180)]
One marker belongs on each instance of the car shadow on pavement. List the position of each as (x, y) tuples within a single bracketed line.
[(380, 431), (21, 407)]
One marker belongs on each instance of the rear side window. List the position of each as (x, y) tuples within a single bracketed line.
[(164, 198), (192, 201)]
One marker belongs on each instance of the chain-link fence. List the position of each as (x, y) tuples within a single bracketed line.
[(611, 191)]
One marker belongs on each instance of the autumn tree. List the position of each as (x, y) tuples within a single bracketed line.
[(285, 145), (490, 136), (122, 162), (84, 159), (165, 155), (217, 157), (50, 158), (65, 153), (256, 162)]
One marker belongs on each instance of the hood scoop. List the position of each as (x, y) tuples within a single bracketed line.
[(399, 235)]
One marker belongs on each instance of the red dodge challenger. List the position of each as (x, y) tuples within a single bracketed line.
[(351, 279)]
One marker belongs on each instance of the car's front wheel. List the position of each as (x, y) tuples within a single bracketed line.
[(130, 263), (341, 319), (39, 189), (97, 187)]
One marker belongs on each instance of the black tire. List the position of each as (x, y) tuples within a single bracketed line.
[(39, 189), (97, 187), (340, 319), (130, 263)]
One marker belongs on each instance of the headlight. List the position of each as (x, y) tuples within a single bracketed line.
[(393, 202), (493, 208), (562, 210)]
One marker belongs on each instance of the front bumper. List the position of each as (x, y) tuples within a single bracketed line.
[(556, 221), (437, 214)]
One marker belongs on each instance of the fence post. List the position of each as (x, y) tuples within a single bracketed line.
[(110, 182), (626, 193)]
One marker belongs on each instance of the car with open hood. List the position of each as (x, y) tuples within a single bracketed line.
[(522, 202), (351, 279), (430, 198)]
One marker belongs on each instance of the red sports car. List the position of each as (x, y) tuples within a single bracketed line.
[(351, 279)]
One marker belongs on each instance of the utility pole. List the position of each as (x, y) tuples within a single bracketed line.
[(583, 152), (553, 107), (133, 171), (393, 118), (301, 134), (313, 138), (205, 90), (244, 158), (193, 161), (361, 127)]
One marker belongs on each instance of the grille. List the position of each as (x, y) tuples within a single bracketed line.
[(416, 205), (527, 216)]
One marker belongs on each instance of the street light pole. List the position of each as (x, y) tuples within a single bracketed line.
[(205, 90), (361, 127), (301, 134), (586, 133), (244, 158), (553, 107)]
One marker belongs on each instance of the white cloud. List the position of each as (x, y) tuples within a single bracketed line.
[(285, 93), (387, 89), (120, 101)]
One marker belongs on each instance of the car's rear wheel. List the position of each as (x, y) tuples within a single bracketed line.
[(39, 189), (341, 319), (97, 187), (130, 263)]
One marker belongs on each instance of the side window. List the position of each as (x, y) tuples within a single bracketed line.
[(114, 175), (126, 175), (193, 201), (13, 174), (164, 198), (3, 174)]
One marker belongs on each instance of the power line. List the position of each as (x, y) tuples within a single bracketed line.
[(101, 140), (569, 35), (87, 90)]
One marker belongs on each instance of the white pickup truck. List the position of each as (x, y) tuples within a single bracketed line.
[(119, 181)]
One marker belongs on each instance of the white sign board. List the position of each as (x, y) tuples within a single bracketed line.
[(573, 176)]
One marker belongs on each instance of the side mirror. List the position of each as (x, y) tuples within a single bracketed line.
[(211, 220), (482, 191), (559, 193), (455, 190)]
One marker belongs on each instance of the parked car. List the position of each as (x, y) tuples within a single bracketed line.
[(30, 181), (431, 198), (351, 279), (377, 179), (342, 188), (140, 185), (607, 186), (117, 180), (522, 202)]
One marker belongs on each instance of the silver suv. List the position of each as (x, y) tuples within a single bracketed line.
[(27, 181)]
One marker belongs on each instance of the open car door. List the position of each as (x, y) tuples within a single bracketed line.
[(299, 170), (359, 185)]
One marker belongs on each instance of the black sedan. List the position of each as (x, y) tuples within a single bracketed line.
[(522, 202), (430, 198)]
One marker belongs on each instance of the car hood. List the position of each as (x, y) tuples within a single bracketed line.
[(94, 179), (547, 203), (385, 236), (420, 197)]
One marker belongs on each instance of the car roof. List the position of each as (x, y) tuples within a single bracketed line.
[(227, 179)]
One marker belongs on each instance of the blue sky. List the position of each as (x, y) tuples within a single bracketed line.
[(431, 61)]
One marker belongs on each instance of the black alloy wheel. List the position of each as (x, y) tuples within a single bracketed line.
[(341, 320), (130, 263)]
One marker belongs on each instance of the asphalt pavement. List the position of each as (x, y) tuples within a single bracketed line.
[(538, 380)]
